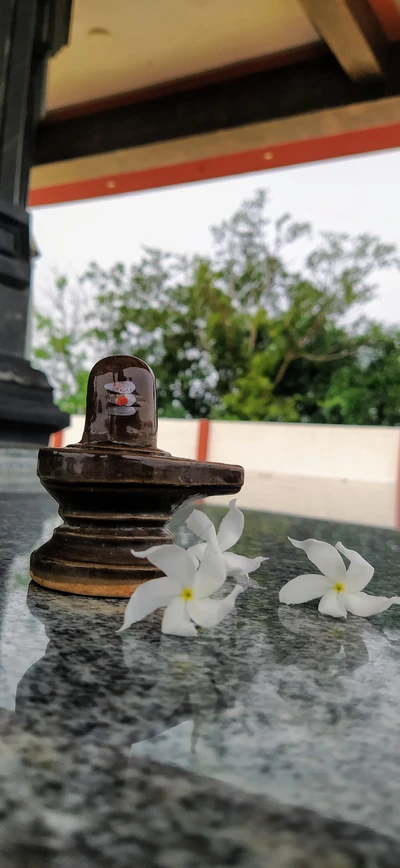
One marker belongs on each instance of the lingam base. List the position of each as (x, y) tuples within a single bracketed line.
[(116, 490), (111, 504)]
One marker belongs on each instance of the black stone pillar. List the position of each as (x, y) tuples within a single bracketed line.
[(31, 31)]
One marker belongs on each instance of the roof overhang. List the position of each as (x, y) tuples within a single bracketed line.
[(334, 93)]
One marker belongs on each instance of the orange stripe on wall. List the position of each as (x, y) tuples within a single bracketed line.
[(56, 439), (292, 153), (202, 442)]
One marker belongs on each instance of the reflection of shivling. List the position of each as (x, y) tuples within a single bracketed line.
[(121, 400)]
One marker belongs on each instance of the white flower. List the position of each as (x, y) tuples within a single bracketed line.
[(230, 531), (340, 590), (185, 590)]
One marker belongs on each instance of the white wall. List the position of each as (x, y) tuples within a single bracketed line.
[(178, 436), (332, 451), (337, 472), (74, 433)]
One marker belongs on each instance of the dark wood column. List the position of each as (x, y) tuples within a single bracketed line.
[(30, 32)]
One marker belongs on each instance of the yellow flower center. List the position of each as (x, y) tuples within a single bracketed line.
[(338, 587), (187, 594)]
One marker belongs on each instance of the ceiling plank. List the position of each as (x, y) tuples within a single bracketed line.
[(353, 33), (237, 70)]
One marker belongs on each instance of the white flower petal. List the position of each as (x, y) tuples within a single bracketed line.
[(332, 604), (239, 565), (176, 621), (208, 613), (246, 581), (324, 556), (148, 597), (304, 588), (174, 561), (359, 573), (211, 573), (197, 551), (199, 523), (365, 604), (231, 527)]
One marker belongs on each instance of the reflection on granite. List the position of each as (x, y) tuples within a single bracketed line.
[(269, 741), (18, 469)]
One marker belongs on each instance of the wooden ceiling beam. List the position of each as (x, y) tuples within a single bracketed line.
[(275, 94), (353, 33)]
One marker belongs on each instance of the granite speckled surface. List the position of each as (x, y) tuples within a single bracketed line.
[(272, 740)]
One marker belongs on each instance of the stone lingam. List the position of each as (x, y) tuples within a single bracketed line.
[(116, 490)]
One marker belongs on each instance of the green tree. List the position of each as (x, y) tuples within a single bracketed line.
[(60, 345), (367, 392), (242, 334)]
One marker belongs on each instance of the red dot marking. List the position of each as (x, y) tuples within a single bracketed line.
[(122, 400)]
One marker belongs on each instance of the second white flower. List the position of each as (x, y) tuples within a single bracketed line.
[(339, 590)]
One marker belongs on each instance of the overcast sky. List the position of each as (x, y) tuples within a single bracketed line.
[(354, 195)]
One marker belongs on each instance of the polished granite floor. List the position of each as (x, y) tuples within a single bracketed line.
[(271, 741)]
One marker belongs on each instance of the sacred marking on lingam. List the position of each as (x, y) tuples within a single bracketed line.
[(120, 398)]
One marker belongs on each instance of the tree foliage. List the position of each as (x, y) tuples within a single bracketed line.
[(270, 327)]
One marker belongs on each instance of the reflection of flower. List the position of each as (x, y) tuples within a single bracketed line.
[(185, 590), (340, 590), (192, 682), (192, 679), (314, 649), (230, 531)]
